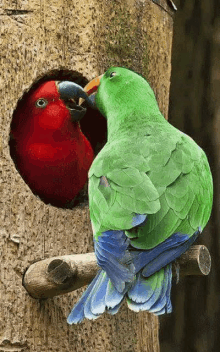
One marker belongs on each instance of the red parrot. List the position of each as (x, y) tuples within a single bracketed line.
[(46, 142)]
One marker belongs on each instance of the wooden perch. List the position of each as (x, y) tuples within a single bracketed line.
[(58, 275)]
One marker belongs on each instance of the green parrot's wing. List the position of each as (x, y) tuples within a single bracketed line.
[(186, 202), (168, 179), (120, 189)]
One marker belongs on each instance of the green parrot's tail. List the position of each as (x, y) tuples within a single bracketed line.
[(100, 295), (151, 293)]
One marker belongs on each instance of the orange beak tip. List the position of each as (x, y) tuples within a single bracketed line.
[(91, 87)]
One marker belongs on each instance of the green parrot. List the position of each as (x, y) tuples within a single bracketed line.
[(150, 196)]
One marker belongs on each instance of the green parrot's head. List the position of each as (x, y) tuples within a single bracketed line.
[(124, 97)]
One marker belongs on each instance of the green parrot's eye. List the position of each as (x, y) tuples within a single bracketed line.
[(112, 74), (41, 103)]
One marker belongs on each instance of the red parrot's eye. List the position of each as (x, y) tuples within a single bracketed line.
[(41, 103)]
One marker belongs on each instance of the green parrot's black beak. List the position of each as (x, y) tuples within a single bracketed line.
[(70, 92)]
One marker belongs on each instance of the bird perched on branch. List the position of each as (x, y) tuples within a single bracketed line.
[(47, 145), (150, 196)]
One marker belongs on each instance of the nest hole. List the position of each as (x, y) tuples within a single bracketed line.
[(93, 126)]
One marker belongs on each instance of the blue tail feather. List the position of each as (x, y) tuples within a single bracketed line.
[(157, 296), (113, 298), (89, 314), (162, 311), (168, 293), (164, 298), (141, 290), (87, 311), (77, 313), (98, 299), (149, 302), (114, 310), (100, 295)]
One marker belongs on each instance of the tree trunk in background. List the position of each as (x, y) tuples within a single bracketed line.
[(87, 37), (195, 109)]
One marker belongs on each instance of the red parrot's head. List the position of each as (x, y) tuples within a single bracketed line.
[(47, 145)]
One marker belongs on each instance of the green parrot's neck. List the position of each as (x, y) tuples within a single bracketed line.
[(133, 122), (128, 103)]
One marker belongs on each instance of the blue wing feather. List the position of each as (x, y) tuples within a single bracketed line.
[(158, 257), (118, 273), (139, 219), (112, 255), (175, 249)]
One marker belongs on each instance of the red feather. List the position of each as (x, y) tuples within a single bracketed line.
[(50, 151)]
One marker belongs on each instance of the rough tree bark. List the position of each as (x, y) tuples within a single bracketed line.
[(85, 36)]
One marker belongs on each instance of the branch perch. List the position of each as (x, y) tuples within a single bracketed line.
[(58, 275)]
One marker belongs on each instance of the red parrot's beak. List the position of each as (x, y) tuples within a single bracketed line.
[(91, 88)]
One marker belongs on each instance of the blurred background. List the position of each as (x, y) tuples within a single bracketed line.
[(194, 326)]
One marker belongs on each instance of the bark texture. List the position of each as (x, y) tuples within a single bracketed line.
[(38, 36)]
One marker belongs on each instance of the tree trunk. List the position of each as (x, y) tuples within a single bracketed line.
[(84, 37)]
